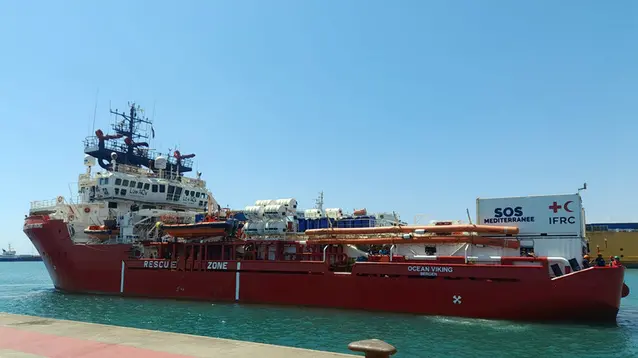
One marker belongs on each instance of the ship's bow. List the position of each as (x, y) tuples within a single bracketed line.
[(50, 238), (592, 294)]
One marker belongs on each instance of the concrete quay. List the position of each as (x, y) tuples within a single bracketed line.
[(28, 336)]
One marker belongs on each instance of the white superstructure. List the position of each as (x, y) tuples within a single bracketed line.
[(116, 194), (133, 182)]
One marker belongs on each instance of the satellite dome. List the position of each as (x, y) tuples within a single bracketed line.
[(160, 162), (89, 161)]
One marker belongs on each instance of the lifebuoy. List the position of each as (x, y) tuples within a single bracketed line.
[(87, 210), (60, 199)]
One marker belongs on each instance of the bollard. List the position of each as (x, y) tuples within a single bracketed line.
[(373, 348)]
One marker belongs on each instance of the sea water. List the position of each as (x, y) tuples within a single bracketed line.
[(25, 288)]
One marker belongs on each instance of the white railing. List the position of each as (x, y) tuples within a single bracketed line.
[(129, 169), (44, 204), (194, 182), (41, 204)]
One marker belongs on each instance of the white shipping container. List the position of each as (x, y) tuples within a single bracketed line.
[(534, 215), (334, 213)]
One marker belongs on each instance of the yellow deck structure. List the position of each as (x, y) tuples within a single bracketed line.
[(614, 239)]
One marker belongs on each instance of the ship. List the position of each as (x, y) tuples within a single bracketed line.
[(10, 255), (141, 228)]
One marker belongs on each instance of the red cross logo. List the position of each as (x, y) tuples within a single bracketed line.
[(555, 207)]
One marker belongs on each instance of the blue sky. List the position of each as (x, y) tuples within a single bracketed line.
[(413, 106)]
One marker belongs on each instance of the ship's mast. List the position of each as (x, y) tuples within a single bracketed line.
[(319, 202), (108, 147), (129, 127)]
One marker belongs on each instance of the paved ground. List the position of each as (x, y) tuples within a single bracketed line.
[(29, 337)]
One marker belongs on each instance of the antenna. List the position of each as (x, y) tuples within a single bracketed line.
[(319, 201), (95, 109), (583, 188), (131, 125), (152, 121)]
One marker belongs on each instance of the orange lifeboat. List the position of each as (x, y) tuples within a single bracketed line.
[(210, 227), (360, 212), (203, 229), (101, 232)]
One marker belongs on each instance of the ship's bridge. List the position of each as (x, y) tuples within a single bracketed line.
[(148, 187)]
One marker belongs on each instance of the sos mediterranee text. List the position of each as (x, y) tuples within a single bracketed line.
[(508, 215)]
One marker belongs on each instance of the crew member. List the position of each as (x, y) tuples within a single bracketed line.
[(616, 262), (599, 260), (586, 262)]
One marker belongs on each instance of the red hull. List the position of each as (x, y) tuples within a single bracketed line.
[(477, 291)]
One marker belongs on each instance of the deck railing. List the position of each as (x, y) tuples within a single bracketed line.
[(44, 204), (41, 204)]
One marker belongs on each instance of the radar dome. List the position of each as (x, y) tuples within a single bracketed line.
[(89, 161), (160, 162)]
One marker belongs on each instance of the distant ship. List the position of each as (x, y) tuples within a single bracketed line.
[(10, 255)]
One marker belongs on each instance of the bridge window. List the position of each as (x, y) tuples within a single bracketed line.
[(125, 182), (178, 192), (132, 184), (186, 192), (192, 193), (112, 205), (154, 188), (201, 203), (123, 192), (140, 185), (106, 181), (118, 181), (147, 186), (162, 188), (197, 195), (117, 191)]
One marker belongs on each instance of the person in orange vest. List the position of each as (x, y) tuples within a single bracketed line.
[(616, 262)]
